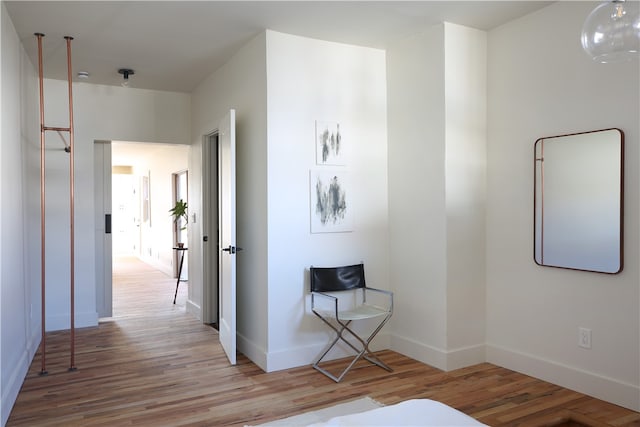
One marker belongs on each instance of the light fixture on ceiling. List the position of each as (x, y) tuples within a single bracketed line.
[(611, 32), (83, 75), (126, 72)]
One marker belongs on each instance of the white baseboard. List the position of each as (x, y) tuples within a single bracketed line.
[(62, 322), (13, 384), (419, 351), (193, 309), (446, 360), (603, 388), (255, 353), (302, 356), (165, 268), (466, 356)]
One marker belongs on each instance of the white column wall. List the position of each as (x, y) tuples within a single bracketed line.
[(465, 175), (417, 199), (437, 143), (542, 84), (239, 84), (309, 80)]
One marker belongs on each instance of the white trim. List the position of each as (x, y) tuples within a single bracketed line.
[(598, 386), (424, 353), (60, 322), (153, 262), (193, 309), (255, 353), (466, 356), (446, 360), (306, 355), (14, 383)]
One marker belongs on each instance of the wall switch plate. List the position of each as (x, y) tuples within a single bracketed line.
[(584, 337)]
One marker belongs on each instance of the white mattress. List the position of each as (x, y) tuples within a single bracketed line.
[(416, 412)]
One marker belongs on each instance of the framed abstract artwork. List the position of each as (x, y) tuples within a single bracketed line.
[(330, 149), (331, 210)]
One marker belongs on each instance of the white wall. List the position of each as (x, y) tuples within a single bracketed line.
[(241, 85), (100, 113), (542, 84), (333, 82), (2, 26), (437, 140), (465, 71), (156, 235), (309, 80), (417, 216), (19, 268)]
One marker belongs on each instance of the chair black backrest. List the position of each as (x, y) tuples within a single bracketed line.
[(331, 279)]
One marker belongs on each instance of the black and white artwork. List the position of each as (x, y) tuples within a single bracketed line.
[(329, 145), (331, 211)]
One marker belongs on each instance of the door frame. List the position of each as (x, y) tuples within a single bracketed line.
[(103, 241), (103, 236), (210, 271)]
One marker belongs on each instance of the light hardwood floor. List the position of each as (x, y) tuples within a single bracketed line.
[(154, 365)]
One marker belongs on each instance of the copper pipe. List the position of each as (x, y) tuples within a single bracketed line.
[(72, 365), (43, 370), (56, 129), (67, 147), (542, 202)]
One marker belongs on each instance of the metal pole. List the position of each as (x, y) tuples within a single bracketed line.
[(542, 202), (39, 36), (72, 365)]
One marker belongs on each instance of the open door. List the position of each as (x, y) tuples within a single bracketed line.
[(227, 235)]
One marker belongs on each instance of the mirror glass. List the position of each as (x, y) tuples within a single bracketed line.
[(578, 201)]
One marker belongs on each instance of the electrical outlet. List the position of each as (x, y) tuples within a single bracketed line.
[(584, 337)]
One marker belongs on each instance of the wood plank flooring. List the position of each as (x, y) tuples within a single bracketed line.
[(155, 365)]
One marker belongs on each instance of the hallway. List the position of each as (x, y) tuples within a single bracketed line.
[(141, 291)]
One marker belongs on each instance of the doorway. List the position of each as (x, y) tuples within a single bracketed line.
[(147, 227), (211, 248), (125, 208), (219, 219)]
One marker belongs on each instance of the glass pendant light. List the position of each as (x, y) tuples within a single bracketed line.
[(611, 32)]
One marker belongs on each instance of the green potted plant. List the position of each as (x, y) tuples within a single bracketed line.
[(180, 217)]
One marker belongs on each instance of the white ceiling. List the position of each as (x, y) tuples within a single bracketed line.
[(174, 45)]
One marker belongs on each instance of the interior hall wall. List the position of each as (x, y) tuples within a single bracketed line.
[(100, 113), (20, 318), (311, 81), (239, 84), (541, 83), (156, 234)]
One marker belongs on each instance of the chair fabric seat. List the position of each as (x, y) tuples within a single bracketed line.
[(364, 311)]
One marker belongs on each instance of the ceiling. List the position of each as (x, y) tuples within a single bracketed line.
[(174, 45)]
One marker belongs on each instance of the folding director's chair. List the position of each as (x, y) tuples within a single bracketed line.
[(329, 284)]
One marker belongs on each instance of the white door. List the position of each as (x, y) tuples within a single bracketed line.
[(227, 236)]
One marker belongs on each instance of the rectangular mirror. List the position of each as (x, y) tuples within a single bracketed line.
[(578, 201)]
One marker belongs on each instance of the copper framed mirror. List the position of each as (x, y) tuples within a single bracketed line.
[(578, 201)]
